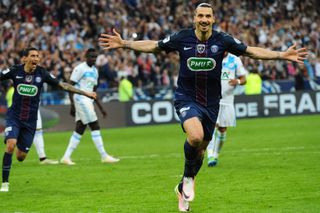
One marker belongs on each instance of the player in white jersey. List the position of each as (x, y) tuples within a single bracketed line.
[(39, 143), (233, 74), (85, 76)]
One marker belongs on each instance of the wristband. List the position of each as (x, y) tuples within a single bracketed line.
[(239, 82)]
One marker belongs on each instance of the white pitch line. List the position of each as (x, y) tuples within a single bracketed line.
[(274, 151)]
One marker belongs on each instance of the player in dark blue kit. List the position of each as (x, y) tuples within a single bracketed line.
[(21, 119), (198, 94)]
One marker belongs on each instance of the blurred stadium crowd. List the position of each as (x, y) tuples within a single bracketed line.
[(64, 29)]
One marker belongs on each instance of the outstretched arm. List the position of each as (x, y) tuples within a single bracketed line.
[(292, 54), (115, 41), (70, 88)]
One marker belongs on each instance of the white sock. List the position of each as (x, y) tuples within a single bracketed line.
[(97, 139), (220, 139), (210, 147), (39, 144), (73, 143)]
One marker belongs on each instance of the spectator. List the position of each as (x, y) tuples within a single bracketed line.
[(298, 81), (254, 83), (317, 68), (62, 29), (125, 90), (309, 69)]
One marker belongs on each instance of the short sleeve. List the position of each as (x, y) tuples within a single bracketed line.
[(233, 45), (76, 74), (241, 71), (97, 73)]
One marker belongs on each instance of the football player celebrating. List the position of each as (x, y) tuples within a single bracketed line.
[(21, 118), (198, 94)]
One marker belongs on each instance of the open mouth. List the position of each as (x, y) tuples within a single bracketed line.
[(204, 24)]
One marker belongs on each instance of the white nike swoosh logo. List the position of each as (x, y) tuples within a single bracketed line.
[(19, 77), (187, 48), (6, 71)]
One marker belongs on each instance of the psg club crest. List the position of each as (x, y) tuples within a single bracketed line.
[(29, 78), (214, 48), (201, 48), (38, 79)]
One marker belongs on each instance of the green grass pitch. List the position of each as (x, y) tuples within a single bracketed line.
[(267, 165)]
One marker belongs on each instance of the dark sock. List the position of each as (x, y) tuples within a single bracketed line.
[(198, 165), (42, 159), (180, 187), (6, 166), (191, 155)]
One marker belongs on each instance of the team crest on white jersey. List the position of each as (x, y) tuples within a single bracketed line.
[(201, 48), (29, 78), (231, 65), (214, 48), (38, 79)]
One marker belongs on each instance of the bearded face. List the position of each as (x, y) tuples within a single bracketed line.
[(204, 19)]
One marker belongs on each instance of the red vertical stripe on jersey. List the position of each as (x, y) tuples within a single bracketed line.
[(25, 108), (201, 80)]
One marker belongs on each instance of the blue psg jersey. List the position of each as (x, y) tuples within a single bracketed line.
[(27, 88), (200, 64)]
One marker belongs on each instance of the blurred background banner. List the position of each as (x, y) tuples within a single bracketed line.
[(116, 116), (272, 105), (150, 112)]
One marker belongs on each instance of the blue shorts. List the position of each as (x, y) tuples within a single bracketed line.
[(207, 115), (22, 131)]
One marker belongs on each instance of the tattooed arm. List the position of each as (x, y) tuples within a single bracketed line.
[(70, 88)]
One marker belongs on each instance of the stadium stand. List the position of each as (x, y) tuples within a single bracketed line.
[(64, 29)]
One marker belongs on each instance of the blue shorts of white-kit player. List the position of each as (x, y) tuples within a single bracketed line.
[(207, 115), (20, 130)]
